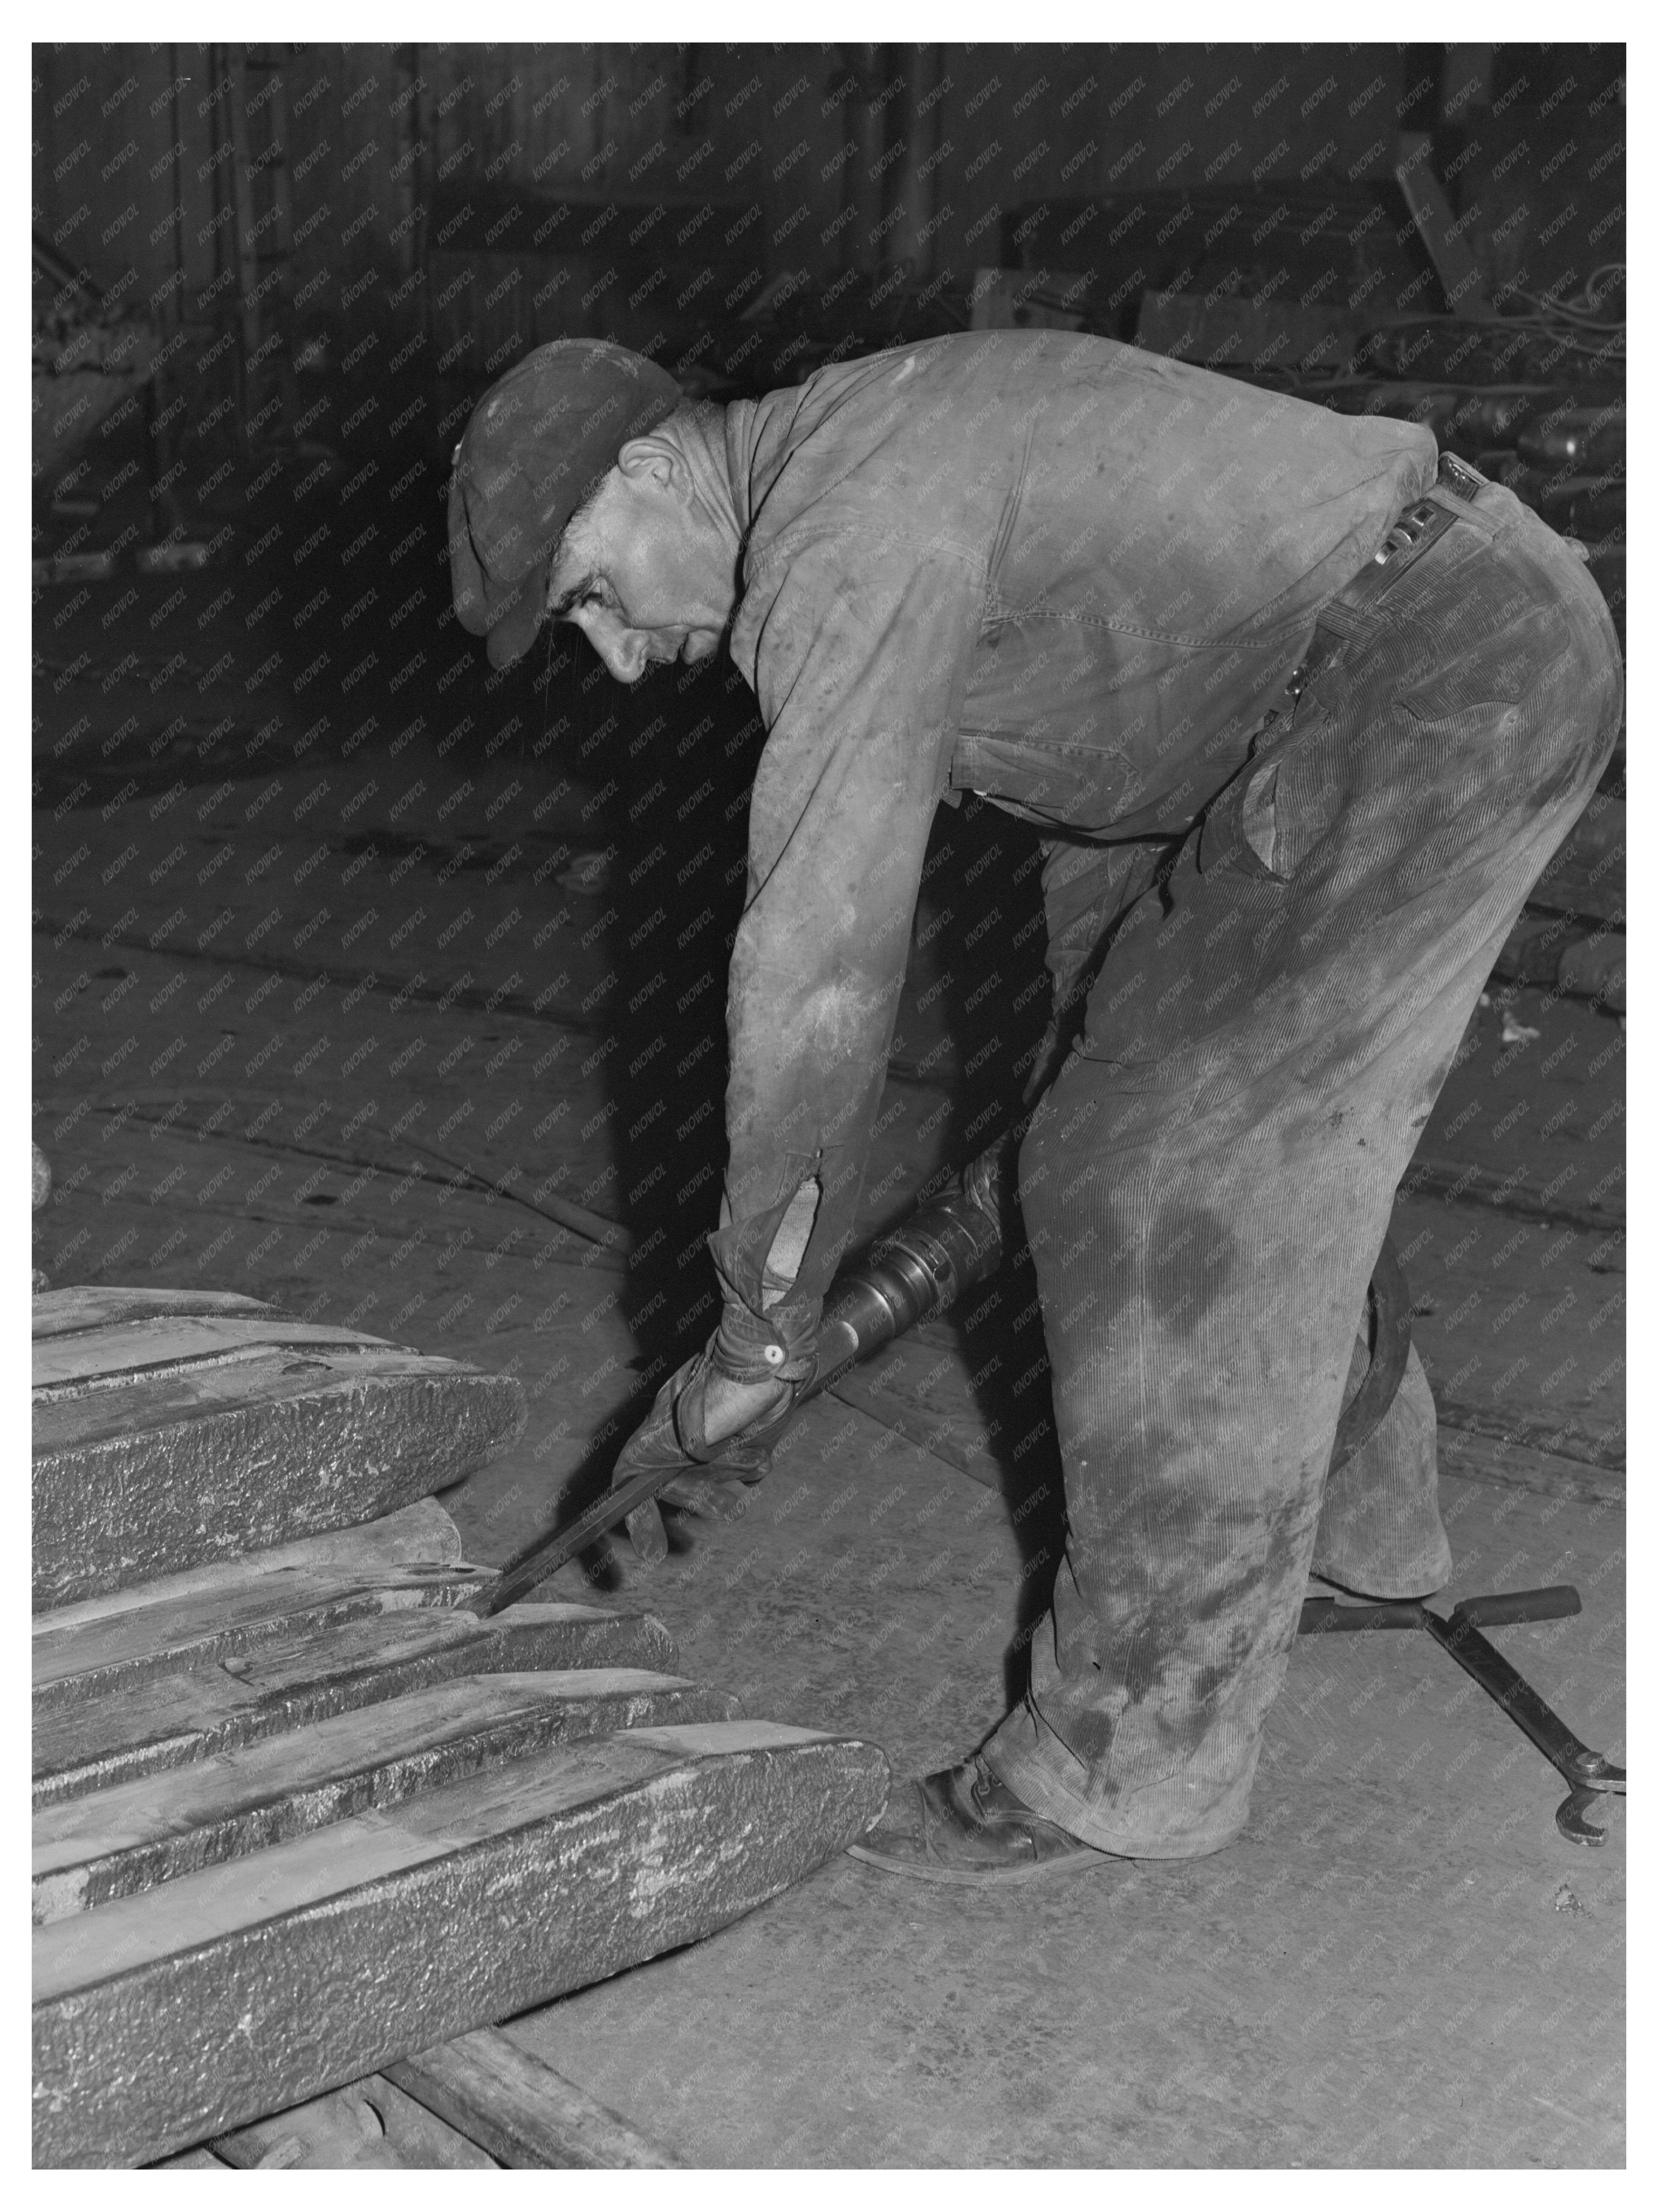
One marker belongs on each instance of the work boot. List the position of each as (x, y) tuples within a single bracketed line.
[(965, 1825)]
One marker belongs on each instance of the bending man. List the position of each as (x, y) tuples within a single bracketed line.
[(1303, 712)]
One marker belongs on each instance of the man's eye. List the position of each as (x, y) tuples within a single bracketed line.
[(596, 595)]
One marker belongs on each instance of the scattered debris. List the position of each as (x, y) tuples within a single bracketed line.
[(587, 871), (1514, 1031), (175, 554), (72, 568)]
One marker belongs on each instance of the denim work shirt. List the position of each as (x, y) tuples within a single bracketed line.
[(1059, 571)]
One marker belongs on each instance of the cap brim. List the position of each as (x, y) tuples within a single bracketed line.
[(515, 618), (509, 615), (467, 578)]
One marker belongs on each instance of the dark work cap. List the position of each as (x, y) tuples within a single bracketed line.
[(538, 443)]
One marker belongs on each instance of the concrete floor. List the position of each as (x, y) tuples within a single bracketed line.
[(326, 995)]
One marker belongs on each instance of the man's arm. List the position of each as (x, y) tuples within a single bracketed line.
[(858, 660)]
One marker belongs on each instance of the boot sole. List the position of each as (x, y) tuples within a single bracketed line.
[(1005, 1877)]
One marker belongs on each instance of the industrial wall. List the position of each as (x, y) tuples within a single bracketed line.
[(956, 134), (643, 191)]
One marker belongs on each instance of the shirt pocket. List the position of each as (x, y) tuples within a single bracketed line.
[(1078, 787)]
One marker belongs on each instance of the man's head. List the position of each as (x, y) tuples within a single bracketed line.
[(573, 496), (647, 567)]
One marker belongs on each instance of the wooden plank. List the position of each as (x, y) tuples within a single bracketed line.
[(166, 2019), (175, 1719), (1462, 278), (420, 1534), (113, 1842), (418, 2136), (158, 1344), (520, 2112), (339, 2132), (161, 1474), (90, 1306), (73, 1664), (372, 2123)]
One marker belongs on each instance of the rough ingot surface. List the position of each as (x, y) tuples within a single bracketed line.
[(83, 1306), (164, 2019), (160, 1343), (170, 1720), (116, 1842), (418, 1535), (136, 1480), (72, 1665)]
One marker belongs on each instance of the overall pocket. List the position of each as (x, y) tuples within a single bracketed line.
[(1241, 829)]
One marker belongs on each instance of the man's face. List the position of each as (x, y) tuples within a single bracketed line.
[(642, 574)]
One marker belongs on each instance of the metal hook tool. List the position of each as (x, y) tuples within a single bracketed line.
[(1590, 1773)]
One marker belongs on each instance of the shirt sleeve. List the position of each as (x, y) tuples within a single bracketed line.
[(857, 657)]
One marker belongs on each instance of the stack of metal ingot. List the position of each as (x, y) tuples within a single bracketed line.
[(302, 1811)]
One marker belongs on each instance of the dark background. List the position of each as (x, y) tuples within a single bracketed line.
[(332, 250)]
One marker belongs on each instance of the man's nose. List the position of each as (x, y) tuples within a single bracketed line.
[(625, 658), (611, 645)]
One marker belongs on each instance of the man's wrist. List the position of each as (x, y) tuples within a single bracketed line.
[(777, 1346)]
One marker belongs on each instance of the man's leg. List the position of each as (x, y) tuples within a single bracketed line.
[(1380, 1532), (1207, 1186)]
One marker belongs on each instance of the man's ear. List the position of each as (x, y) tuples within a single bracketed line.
[(654, 459)]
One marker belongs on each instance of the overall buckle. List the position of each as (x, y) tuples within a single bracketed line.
[(1459, 479), (1408, 533)]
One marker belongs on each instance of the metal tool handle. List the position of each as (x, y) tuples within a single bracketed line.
[(1323, 1616), (1558, 1602), (1586, 1769)]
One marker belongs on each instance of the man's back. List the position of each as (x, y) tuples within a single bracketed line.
[(1147, 544)]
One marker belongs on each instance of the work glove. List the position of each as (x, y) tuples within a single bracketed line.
[(778, 1351)]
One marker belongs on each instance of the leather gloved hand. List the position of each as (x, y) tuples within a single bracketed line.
[(717, 1419)]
